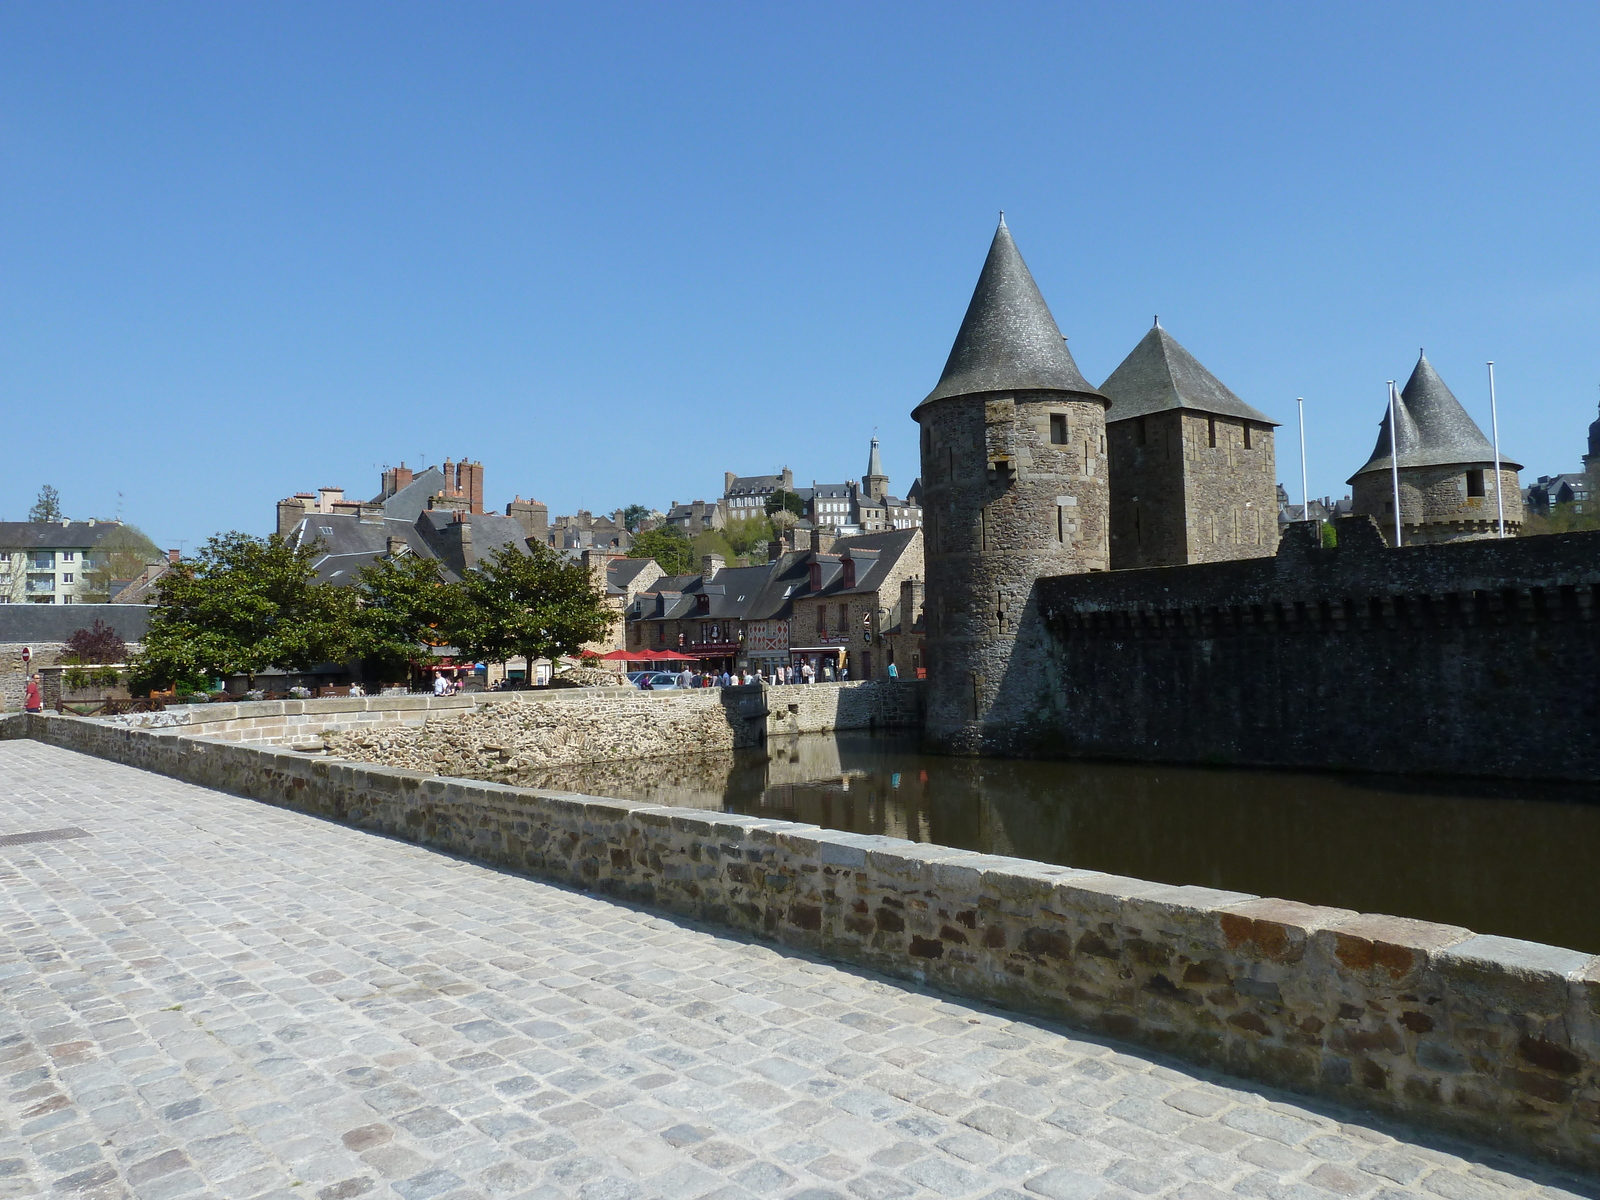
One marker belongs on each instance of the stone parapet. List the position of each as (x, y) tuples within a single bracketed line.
[(1489, 1037)]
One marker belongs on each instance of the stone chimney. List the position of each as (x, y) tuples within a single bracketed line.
[(727, 481), (823, 542), (397, 546), (710, 564), (464, 481), (444, 502), (327, 497), (774, 551), (395, 478), (911, 601), (173, 556), (347, 508), (595, 563), (458, 539), (532, 516), (290, 513)]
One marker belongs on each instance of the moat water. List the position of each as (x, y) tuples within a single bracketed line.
[(1517, 859)]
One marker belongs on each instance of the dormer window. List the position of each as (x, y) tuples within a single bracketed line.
[(816, 577), (702, 603), (849, 572)]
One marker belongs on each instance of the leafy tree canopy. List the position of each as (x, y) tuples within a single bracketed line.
[(782, 501), (748, 534), (537, 604), (243, 604), (406, 607), (668, 546), (98, 644), (633, 514), (123, 553), (48, 505)]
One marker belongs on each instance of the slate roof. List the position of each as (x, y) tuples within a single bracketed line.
[(620, 572), (874, 460), (1160, 375), (55, 535), (1008, 340), (754, 484), (1435, 431), (411, 501), (349, 543), (29, 624)]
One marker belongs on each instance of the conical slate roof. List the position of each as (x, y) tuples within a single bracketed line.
[(874, 463), (1008, 340), (1435, 431), (1159, 375)]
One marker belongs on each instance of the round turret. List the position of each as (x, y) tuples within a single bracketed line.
[(1446, 470), (1013, 488)]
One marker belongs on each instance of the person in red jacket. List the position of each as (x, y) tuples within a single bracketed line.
[(34, 698)]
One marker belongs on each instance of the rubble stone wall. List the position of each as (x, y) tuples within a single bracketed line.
[(1490, 1037)]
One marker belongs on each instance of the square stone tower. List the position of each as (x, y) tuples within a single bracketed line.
[(1013, 488), (1193, 473)]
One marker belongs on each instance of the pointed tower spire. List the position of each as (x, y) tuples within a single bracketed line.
[(1435, 431), (1008, 340), (875, 483), (874, 462)]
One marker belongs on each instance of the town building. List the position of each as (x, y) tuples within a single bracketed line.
[(829, 608), (1445, 467), (583, 530), (1324, 509), (850, 507), (1546, 492), (1193, 473), (56, 562), (696, 517), (1014, 486), (747, 495)]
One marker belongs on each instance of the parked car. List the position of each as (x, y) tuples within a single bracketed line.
[(660, 681)]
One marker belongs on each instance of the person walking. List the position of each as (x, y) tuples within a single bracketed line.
[(441, 684), (33, 697), (686, 678), (893, 672)]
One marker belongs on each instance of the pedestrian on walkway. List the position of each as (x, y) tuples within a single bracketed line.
[(33, 698), (686, 678), (893, 672)]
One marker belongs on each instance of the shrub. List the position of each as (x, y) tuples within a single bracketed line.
[(97, 644)]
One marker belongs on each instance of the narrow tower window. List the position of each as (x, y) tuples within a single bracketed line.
[(1061, 523), (1475, 483), (983, 528), (1247, 435), (1211, 432), (1141, 431), (1058, 429)]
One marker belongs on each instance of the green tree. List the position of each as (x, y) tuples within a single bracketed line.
[(782, 501), (668, 546), (406, 609), (632, 515), (47, 507), (123, 553), (243, 604), (537, 604), (748, 533), (709, 542)]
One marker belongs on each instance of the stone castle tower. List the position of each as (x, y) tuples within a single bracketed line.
[(1447, 484), (1014, 487), (1591, 460), (1193, 475)]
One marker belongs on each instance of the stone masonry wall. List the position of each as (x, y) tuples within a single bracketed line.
[(1490, 1037), (1476, 657)]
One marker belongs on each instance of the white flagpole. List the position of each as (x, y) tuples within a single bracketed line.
[(1494, 423), (1305, 495), (1394, 461)]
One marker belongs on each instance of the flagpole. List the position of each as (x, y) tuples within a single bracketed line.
[(1305, 495), (1394, 462), (1494, 424)]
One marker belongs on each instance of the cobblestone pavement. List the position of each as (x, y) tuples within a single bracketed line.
[(205, 996)]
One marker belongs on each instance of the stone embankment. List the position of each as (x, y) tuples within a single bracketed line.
[(503, 742), (1490, 1037)]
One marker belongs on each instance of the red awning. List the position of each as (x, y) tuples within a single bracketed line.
[(615, 656)]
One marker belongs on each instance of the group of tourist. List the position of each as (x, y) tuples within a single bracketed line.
[(803, 673)]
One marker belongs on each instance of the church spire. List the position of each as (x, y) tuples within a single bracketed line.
[(1008, 340)]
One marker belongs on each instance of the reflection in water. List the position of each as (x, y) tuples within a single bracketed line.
[(1506, 858)]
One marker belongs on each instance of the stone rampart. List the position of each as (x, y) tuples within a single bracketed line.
[(1469, 658), (828, 707), (1492, 1038)]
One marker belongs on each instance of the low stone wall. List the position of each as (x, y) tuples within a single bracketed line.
[(828, 707), (1492, 1038)]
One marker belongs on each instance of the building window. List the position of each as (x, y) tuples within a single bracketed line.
[(1142, 435), (1211, 432), (1475, 483), (1058, 429), (66, 556), (66, 577), (1247, 435)]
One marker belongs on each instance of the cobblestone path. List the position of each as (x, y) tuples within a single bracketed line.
[(209, 997)]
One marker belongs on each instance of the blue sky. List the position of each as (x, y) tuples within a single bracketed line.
[(614, 250)]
